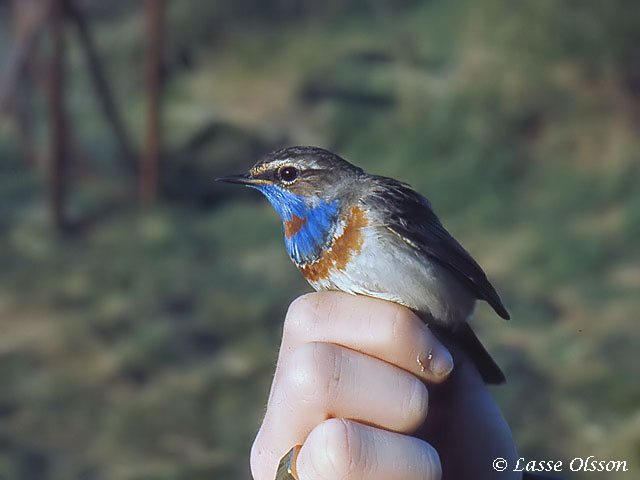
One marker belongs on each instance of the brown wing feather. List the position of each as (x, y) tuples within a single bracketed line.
[(410, 216)]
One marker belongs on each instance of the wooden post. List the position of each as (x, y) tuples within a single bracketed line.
[(20, 104), (149, 169), (31, 16), (57, 173)]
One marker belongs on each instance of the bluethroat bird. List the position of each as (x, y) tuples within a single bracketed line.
[(364, 234)]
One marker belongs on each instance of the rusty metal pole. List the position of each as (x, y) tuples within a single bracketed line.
[(57, 173), (149, 168)]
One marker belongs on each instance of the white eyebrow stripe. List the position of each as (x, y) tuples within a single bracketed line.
[(272, 165)]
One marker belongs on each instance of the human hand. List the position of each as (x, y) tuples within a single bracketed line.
[(349, 387)]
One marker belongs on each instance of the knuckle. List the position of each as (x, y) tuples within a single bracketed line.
[(401, 325), (312, 373), (302, 314), (338, 452), (256, 459)]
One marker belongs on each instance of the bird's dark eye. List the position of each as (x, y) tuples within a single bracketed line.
[(288, 174)]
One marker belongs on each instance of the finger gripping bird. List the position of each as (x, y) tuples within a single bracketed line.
[(364, 234)]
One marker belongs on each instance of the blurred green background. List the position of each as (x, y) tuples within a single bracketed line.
[(139, 341)]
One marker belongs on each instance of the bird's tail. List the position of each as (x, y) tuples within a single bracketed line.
[(464, 337)]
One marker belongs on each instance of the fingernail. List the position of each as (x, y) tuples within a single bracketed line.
[(440, 362)]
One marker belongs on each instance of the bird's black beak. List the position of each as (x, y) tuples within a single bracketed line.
[(242, 179)]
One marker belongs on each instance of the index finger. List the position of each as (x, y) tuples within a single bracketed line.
[(381, 329)]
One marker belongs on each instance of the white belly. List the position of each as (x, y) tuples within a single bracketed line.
[(388, 269)]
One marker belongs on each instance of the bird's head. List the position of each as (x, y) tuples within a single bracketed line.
[(311, 173), (308, 186)]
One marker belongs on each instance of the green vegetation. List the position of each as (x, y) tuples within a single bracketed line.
[(142, 345)]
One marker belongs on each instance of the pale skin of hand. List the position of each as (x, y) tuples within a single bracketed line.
[(353, 383)]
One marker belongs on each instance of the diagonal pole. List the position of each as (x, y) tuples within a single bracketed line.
[(102, 87)]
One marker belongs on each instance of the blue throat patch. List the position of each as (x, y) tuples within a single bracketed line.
[(316, 225)]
